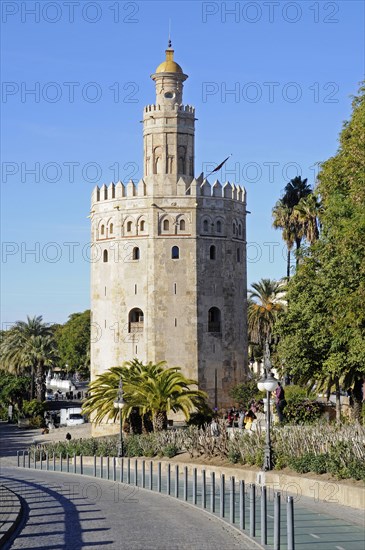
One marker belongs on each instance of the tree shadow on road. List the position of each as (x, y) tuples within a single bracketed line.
[(53, 504)]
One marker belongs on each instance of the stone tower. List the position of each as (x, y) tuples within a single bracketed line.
[(168, 276)]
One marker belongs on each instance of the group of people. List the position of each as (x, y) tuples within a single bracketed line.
[(241, 418)]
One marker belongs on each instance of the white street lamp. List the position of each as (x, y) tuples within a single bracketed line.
[(269, 384)]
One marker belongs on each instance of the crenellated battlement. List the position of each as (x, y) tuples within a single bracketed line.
[(198, 187), (178, 108)]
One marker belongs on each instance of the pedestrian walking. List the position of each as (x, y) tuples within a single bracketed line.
[(280, 402)]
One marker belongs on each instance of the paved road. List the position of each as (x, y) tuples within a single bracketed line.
[(92, 512), (71, 512)]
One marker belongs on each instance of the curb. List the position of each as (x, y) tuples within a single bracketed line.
[(10, 506)]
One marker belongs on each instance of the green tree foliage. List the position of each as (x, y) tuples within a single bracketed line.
[(296, 215), (282, 219), (13, 390), (263, 307), (322, 334), (245, 393), (29, 346), (73, 341), (152, 389)]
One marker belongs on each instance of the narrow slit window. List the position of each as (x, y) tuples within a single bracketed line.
[(111, 229), (212, 252), (105, 256), (238, 255), (205, 225), (102, 230), (135, 289), (175, 288)]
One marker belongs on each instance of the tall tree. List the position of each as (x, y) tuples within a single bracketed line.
[(282, 216), (323, 331), (73, 342), (265, 302), (286, 218), (29, 345), (306, 213)]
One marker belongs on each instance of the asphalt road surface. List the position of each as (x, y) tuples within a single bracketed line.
[(64, 511)]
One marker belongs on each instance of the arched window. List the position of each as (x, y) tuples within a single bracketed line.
[(175, 253), (129, 227), (166, 225), (238, 255), (205, 225), (135, 320), (239, 229), (142, 225), (182, 225), (219, 226), (212, 252), (214, 320), (102, 230), (234, 228), (111, 228), (135, 253), (105, 256)]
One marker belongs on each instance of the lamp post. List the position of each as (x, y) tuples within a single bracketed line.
[(269, 384), (119, 404)]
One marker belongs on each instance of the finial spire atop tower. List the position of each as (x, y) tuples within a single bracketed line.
[(169, 45)]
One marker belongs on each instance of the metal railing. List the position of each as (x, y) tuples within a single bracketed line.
[(254, 509)]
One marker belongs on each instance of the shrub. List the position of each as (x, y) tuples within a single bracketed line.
[(170, 451), (37, 422), (200, 418), (33, 408), (335, 449), (234, 456), (133, 446), (301, 410)]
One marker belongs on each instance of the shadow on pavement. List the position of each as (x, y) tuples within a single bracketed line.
[(69, 525)]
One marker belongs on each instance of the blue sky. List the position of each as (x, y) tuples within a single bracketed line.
[(291, 68)]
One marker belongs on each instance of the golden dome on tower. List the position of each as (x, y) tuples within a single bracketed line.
[(169, 65)]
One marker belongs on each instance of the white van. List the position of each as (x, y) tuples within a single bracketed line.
[(71, 417)]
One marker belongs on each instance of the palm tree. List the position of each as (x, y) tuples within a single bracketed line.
[(283, 220), (265, 302), (286, 219), (295, 190), (29, 345), (306, 213), (153, 389)]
